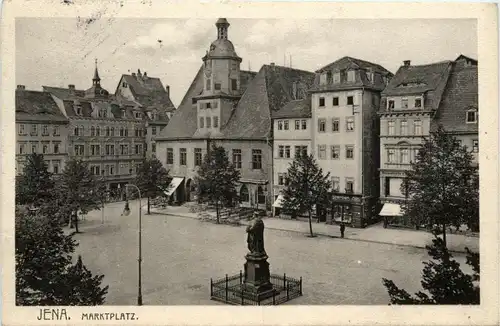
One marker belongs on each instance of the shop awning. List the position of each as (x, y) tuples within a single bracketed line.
[(279, 201), (390, 209), (173, 185)]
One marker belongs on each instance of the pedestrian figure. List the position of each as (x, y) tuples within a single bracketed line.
[(342, 229)]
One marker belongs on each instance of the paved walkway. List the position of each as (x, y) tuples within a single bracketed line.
[(375, 233)]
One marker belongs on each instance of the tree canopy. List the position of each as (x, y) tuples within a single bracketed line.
[(152, 179), (35, 186)]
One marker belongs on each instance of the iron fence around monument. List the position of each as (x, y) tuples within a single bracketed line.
[(231, 290)]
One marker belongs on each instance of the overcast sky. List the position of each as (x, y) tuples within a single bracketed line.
[(58, 52)]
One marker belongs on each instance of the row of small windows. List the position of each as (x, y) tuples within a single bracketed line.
[(284, 151), (245, 195), (109, 149), (209, 105), (46, 130), (209, 121), (298, 124), (417, 103), (46, 148), (401, 155), (349, 100), (403, 128), (337, 77), (255, 164), (335, 124), (114, 169), (218, 86), (335, 152), (349, 185), (110, 131)]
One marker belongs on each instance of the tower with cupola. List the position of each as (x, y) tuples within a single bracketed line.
[(221, 82)]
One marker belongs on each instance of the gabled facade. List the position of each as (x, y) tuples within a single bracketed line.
[(344, 100), (40, 128), (232, 108), (409, 104)]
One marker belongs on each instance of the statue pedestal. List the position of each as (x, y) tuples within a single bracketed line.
[(257, 276)]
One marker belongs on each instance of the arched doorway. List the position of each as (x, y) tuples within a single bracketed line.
[(244, 195), (261, 198), (188, 190)]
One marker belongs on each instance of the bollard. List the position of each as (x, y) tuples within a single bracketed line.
[(211, 288), (284, 280), (226, 286), (300, 286)]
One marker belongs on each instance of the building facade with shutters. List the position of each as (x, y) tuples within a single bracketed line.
[(231, 108), (345, 99), (40, 128)]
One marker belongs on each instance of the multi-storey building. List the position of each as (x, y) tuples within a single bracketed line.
[(232, 108), (291, 136), (458, 111), (409, 103), (345, 99), (148, 94), (107, 132), (41, 128)]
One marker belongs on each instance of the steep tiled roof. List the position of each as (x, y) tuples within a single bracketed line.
[(361, 67), (64, 93), (148, 91), (460, 95), (37, 106), (294, 109), (268, 92)]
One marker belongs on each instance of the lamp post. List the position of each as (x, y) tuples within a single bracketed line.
[(126, 212)]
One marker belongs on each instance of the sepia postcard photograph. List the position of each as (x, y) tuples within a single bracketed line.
[(196, 163)]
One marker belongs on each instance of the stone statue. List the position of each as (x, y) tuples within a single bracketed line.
[(255, 238)]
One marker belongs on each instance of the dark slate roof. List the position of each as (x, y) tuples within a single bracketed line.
[(183, 122), (148, 91), (64, 93), (37, 106), (361, 67), (460, 95), (270, 90), (418, 79), (294, 109)]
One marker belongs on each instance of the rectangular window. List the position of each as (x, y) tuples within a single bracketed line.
[(285, 125), (21, 129), (281, 151), (56, 148), (349, 185), (182, 156), (55, 167), (351, 77), (321, 125), (404, 158), (304, 124), (45, 148), (471, 116), (335, 184), (111, 170), (256, 159), (202, 122), (336, 78), (415, 154), (404, 103), (417, 127), (34, 148), (287, 151), (216, 122), (234, 84), (208, 105), (349, 152), (335, 124), (350, 100), (237, 158), (170, 156), (390, 104), (297, 124), (300, 150), (209, 85), (390, 128), (321, 102), (321, 152), (404, 128), (124, 85), (335, 101), (79, 150), (335, 152), (153, 130), (153, 147), (350, 123), (197, 157), (45, 130), (34, 130), (475, 146), (209, 122), (391, 153), (281, 179), (280, 124), (418, 103), (22, 148), (217, 86)]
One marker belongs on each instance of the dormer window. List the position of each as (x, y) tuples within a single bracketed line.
[(390, 104), (351, 77), (404, 103), (323, 79), (124, 85), (418, 102), (471, 116), (336, 78), (137, 114), (217, 86), (103, 113), (208, 105), (123, 114), (371, 76), (79, 110)]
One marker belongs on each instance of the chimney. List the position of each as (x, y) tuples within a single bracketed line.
[(133, 74), (145, 75), (272, 64), (71, 86), (167, 89), (139, 73), (407, 62), (21, 87)]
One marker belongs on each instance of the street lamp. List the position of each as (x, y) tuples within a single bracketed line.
[(126, 212)]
